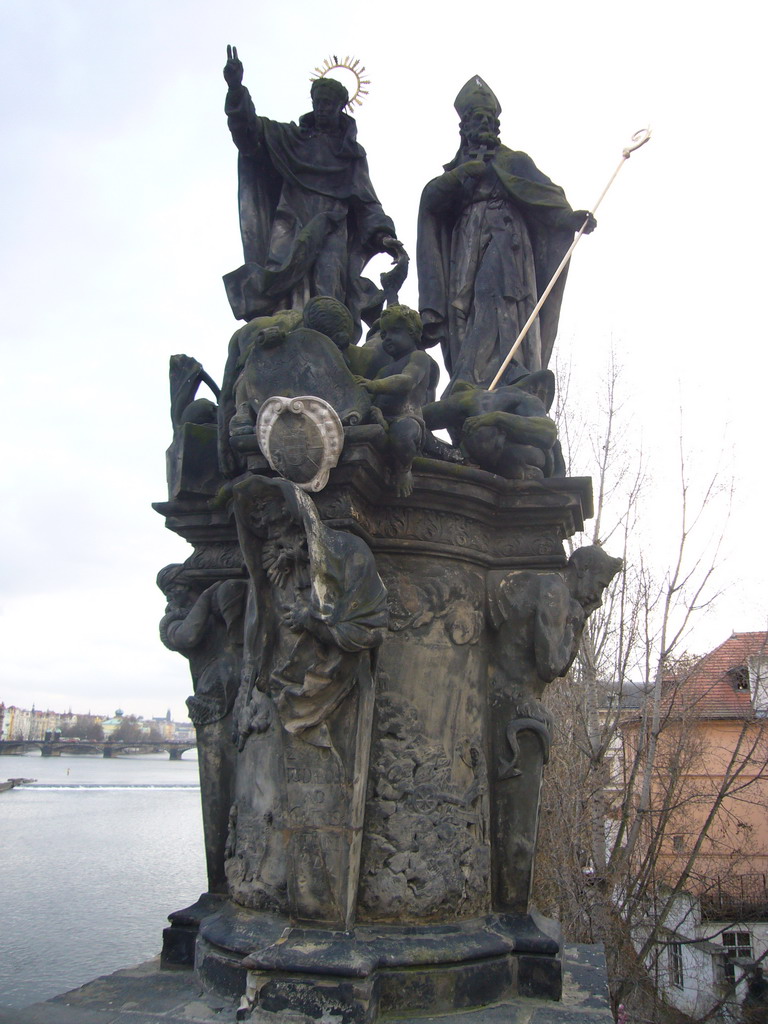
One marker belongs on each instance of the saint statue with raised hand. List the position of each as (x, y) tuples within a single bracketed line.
[(492, 231), (309, 217)]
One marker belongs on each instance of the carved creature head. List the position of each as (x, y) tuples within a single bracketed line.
[(330, 317), (400, 328), (590, 570), (329, 98)]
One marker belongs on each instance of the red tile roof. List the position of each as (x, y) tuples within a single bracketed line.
[(709, 690)]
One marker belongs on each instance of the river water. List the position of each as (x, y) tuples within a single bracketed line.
[(93, 857)]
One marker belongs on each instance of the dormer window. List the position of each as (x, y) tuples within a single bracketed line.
[(739, 676)]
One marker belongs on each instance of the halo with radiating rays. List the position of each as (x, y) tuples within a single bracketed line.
[(352, 69)]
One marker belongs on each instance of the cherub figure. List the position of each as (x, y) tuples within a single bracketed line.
[(332, 318), (400, 389), (506, 431)]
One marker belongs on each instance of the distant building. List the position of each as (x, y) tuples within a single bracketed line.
[(184, 732), (164, 726), (713, 755), (32, 725), (110, 725), (23, 724)]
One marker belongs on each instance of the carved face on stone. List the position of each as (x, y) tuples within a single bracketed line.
[(397, 340), (180, 597), (179, 591), (588, 590), (481, 128), (329, 97), (400, 330), (327, 109), (591, 571)]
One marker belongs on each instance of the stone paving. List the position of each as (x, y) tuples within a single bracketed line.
[(148, 995)]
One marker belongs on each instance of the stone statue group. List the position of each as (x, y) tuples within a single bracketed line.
[(492, 231), (372, 613)]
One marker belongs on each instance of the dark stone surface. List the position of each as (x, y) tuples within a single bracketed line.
[(538, 619), (438, 967), (148, 995), (271, 942), (404, 381), (179, 945), (302, 362), (191, 461), (498, 523), (179, 939), (445, 989), (218, 971), (585, 972), (347, 1000), (540, 977), (506, 431), (284, 371), (192, 465)]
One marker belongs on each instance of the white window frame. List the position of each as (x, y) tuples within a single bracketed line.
[(675, 964)]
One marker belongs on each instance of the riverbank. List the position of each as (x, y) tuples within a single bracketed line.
[(13, 783), (148, 995)]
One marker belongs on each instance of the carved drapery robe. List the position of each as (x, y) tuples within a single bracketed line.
[(309, 217), (303, 714), (487, 248)]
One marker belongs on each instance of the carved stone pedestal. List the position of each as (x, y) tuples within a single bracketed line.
[(379, 969), (428, 907)]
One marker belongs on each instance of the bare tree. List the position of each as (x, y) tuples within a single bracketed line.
[(620, 803), (129, 731), (84, 727)]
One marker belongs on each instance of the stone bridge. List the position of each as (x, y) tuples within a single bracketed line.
[(107, 748)]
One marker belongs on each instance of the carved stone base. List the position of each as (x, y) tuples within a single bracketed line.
[(375, 970), (439, 920), (180, 937)]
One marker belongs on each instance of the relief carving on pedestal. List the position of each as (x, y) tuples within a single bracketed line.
[(453, 597), (531, 716), (425, 851)]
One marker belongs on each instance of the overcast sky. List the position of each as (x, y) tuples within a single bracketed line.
[(120, 217)]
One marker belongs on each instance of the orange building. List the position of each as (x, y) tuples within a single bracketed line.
[(712, 759), (707, 825)]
